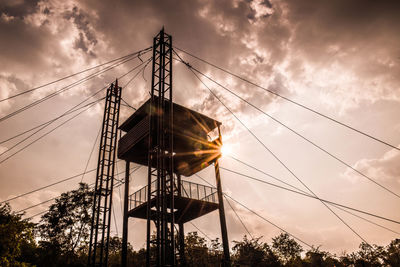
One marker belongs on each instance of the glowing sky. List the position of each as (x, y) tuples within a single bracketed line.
[(341, 58)]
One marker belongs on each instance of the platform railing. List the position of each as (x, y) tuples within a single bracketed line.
[(188, 189)]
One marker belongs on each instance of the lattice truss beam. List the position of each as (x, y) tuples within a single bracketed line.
[(160, 157), (102, 203)]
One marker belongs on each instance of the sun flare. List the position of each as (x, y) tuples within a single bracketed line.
[(226, 149)]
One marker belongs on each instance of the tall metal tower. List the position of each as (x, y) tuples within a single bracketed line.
[(173, 141), (102, 202), (160, 160)]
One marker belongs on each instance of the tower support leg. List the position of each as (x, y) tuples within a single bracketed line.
[(182, 245), (224, 232), (124, 260), (182, 257)]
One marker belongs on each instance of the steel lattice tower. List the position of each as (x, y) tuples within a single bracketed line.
[(160, 156), (102, 202), (172, 141)]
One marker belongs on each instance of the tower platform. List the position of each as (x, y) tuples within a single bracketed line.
[(195, 200), (193, 150)]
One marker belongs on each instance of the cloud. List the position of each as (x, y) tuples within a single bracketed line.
[(385, 169), (339, 57), (87, 36), (334, 39), (18, 8)]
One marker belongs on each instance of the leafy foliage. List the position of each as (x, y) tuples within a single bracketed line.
[(196, 250), (391, 257), (286, 248), (65, 228), (252, 252), (15, 235), (62, 236)]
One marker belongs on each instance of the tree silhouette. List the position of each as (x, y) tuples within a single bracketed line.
[(16, 235), (62, 238), (252, 252), (287, 249), (64, 229)]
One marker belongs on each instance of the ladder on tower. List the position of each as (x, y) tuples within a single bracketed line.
[(102, 197)]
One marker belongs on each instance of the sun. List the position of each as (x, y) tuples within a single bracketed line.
[(226, 149)]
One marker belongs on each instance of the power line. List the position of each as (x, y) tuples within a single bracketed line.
[(48, 200), (311, 196), (45, 134), (267, 174), (62, 115), (292, 101), (47, 186), (296, 133), (119, 190), (44, 125), (365, 219), (237, 216), (115, 220), (144, 62), (43, 202), (36, 205), (69, 178), (258, 215), (127, 105), (68, 111), (65, 88), (305, 138), (74, 74), (142, 69), (338, 206), (198, 229), (37, 214), (273, 154), (91, 152)]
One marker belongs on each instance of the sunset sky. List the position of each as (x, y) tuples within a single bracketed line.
[(341, 58)]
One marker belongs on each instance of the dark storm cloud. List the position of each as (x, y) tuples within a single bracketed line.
[(356, 29), (225, 31), (43, 38), (22, 44), (18, 8), (282, 45), (80, 43), (267, 3), (86, 35), (213, 29)]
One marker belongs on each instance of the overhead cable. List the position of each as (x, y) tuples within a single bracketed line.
[(65, 88), (44, 126), (48, 200), (336, 205), (274, 155), (258, 215), (292, 101), (77, 73), (311, 196), (300, 135)]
